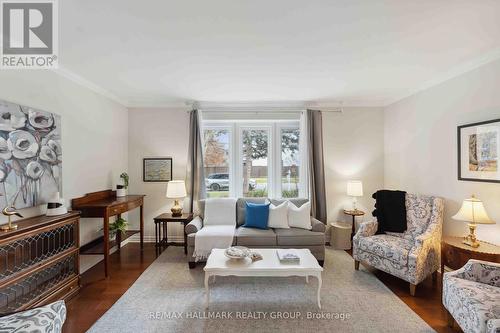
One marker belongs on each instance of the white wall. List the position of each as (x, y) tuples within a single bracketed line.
[(157, 132), (353, 144), (421, 143), (354, 150), (94, 133)]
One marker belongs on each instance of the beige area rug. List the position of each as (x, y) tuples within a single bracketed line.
[(169, 297)]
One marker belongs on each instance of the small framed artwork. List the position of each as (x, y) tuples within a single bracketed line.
[(157, 169), (478, 151)]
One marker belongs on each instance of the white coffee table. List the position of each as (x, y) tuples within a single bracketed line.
[(219, 264)]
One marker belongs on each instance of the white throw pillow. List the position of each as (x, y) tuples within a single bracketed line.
[(220, 211), (278, 216), (299, 217)]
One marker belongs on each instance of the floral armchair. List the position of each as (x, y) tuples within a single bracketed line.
[(412, 255), (472, 296)]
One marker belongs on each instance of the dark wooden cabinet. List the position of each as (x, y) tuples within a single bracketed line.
[(39, 262)]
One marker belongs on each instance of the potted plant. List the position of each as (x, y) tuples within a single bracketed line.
[(121, 190), (120, 225)]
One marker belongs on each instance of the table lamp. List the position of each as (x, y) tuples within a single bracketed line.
[(354, 189), (176, 189), (472, 211)]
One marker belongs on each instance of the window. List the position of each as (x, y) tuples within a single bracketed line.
[(289, 162), (217, 161), (255, 150), (252, 159)]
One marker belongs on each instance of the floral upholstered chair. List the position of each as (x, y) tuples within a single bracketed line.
[(472, 296), (412, 255)]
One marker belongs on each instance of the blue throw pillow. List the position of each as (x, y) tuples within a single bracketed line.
[(256, 215)]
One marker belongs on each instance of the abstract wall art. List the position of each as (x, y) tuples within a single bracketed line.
[(478, 151), (30, 155)]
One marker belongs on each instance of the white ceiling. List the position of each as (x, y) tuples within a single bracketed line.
[(359, 52)]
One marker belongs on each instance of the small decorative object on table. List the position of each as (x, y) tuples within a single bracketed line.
[(472, 211), (255, 256), (55, 206), (237, 252), (288, 256), (9, 211), (121, 189), (176, 189)]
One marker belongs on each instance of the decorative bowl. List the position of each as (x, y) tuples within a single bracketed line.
[(237, 252)]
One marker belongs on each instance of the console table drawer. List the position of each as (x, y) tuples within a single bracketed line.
[(124, 207)]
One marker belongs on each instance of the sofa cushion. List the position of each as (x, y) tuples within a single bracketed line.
[(255, 237), (298, 202), (256, 215), (299, 237), (220, 211), (241, 208), (472, 304), (191, 241), (392, 248)]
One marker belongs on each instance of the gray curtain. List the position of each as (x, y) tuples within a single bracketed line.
[(317, 192), (195, 176)]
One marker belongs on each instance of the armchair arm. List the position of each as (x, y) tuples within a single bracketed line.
[(425, 255), (194, 226), (493, 326), (479, 271), (367, 229), (317, 225)]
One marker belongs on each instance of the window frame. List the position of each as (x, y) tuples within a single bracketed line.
[(235, 155)]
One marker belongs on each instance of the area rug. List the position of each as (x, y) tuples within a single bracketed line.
[(169, 297)]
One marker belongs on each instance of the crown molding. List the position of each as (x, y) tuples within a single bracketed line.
[(461, 69), (70, 75)]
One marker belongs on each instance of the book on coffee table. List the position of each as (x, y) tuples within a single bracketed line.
[(289, 256)]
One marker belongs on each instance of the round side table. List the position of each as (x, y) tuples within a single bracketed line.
[(340, 236), (455, 254)]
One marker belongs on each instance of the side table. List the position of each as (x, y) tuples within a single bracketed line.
[(455, 254), (161, 222), (340, 236), (354, 213)]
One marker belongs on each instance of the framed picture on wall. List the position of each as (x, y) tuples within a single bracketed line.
[(157, 169), (478, 151)]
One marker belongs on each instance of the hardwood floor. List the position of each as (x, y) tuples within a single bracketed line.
[(98, 294)]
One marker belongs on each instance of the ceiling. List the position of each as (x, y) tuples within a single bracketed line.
[(352, 51)]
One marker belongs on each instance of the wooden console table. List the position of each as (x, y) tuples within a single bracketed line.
[(105, 204)]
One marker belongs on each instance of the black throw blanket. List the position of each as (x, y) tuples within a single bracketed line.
[(390, 210)]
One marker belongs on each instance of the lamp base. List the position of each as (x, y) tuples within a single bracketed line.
[(8, 227), (176, 209), (471, 239)]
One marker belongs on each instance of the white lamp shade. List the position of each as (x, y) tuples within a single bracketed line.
[(473, 211), (355, 188), (176, 189)]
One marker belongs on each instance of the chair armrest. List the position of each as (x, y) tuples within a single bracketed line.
[(493, 326), (479, 271), (194, 226), (367, 229), (317, 225)]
